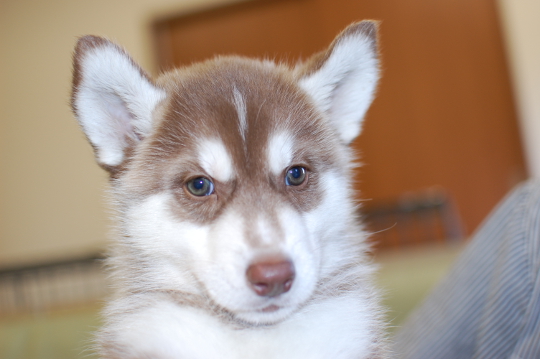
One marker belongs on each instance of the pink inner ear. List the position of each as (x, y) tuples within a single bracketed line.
[(120, 119), (113, 130)]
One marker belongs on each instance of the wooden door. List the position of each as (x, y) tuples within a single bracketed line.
[(444, 114)]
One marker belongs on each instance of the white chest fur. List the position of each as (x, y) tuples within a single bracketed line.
[(337, 328)]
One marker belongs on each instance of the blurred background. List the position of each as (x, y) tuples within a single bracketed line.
[(455, 125)]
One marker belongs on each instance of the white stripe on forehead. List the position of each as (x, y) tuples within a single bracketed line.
[(280, 152), (215, 160), (240, 106)]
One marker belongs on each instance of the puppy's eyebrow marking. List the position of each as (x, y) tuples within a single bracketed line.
[(240, 106), (280, 151), (215, 159)]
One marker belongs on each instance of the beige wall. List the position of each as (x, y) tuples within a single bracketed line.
[(521, 24), (51, 192)]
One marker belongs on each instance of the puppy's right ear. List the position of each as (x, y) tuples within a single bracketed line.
[(112, 98)]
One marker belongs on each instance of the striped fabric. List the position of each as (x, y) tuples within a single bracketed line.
[(489, 305)]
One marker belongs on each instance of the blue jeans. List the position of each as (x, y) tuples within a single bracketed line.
[(489, 304)]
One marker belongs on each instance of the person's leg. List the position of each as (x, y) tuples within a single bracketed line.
[(489, 304)]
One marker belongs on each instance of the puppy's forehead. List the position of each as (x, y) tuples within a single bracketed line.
[(251, 112)]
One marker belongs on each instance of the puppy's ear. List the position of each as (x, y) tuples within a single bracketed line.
[(113, 99), (342, 80)]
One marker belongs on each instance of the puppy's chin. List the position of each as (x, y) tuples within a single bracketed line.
[(270, 315)]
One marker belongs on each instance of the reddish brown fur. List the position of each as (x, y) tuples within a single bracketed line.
[(200, 105)]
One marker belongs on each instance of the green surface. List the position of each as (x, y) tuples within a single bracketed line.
[(406, 278), (57, 335)]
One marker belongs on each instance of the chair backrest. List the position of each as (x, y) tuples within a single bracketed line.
[(424, 217), (47, 286)]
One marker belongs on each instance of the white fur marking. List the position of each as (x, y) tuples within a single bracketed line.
[(240, 106), (266, 233), (280, 152), (215, 159)]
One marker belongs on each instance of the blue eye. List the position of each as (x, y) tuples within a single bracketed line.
[(295, 176), (200, 187)]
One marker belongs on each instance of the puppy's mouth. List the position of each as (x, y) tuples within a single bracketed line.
[(270, 309), (269, 314)]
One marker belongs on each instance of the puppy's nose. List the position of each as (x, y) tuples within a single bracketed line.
[(270, 278)]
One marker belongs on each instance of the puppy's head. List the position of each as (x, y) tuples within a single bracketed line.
[(232, 176)]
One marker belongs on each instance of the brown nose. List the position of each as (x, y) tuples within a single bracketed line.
[(270, 278)]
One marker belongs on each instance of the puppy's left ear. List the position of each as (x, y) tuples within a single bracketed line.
[(342, 80)]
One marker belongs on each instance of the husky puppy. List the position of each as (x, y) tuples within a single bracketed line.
[(237, 235)]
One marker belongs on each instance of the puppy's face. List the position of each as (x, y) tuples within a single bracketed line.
[(232, 176), (236, 175)]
